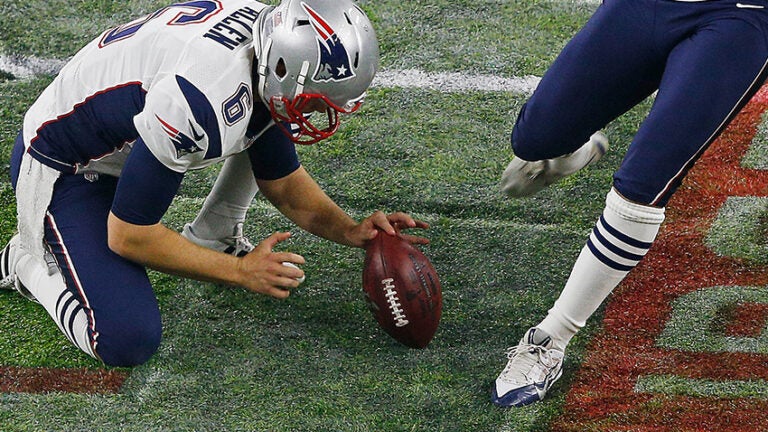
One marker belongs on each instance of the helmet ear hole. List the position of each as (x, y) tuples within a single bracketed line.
[(280, 69)]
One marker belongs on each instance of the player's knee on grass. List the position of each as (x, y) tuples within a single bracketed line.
[(130, 341)]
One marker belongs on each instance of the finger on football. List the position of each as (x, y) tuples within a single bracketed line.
[(421, 224), (414, 239), (416, 224), (403, 220), (382, 221)]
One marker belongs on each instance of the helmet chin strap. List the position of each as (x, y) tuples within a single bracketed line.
[(263, 53), (301, 78)]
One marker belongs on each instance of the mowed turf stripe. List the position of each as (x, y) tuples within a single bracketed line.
[(629, 380)]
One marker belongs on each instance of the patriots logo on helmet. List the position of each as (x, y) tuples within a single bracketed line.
[(184, 145), (334, 64)]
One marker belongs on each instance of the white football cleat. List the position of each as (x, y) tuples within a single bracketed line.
[(9, 257), (237, 244), (523, 178), (8, 264), (532, 368)]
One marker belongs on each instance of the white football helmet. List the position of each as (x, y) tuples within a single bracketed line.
[(313, 51)]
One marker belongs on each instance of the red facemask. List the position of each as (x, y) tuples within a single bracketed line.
[(292, 119)]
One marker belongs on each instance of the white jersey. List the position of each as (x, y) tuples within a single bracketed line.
[(180, 79)]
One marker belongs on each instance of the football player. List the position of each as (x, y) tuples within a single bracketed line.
[(104, 149), (706, 59)]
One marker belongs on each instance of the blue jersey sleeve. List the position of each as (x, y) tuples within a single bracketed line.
[(146, 188), (273, 155)]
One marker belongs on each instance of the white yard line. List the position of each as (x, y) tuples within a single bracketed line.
[(448, 82), (454, 82), (27, 67)]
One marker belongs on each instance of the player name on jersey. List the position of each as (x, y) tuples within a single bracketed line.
[(234, 29)]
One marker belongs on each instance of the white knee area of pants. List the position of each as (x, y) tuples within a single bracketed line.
[(591, 281)]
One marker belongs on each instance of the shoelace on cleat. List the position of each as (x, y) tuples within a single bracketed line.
[(240, 245), (522, 360)]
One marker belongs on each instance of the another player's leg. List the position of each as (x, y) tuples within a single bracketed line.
[(219, 224), (583, 90), (556, 131), (654, 167), (618, 242)]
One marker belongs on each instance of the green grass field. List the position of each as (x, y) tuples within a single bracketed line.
[(234, 361)]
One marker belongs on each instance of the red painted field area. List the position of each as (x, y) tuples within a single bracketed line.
[(44, 380), (603, 397)]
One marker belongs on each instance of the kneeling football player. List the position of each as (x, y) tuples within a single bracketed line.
[(104, 149)]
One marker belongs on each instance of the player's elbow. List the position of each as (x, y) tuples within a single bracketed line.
[(121, 237)]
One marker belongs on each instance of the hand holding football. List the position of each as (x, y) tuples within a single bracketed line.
[(402, 290)]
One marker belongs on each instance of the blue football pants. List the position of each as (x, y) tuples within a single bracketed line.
[(116, 294), (705, 59)]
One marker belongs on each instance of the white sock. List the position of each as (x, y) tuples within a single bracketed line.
[(50, 290), (229, 200), (618, 242)]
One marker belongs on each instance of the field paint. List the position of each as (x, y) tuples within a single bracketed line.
[(15, 379), (448, 82), (454, 82)]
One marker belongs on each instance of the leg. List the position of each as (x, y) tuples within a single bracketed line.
[(710, 77), (620, 239), (103, 303), (219, 224), (583, 90), (522, 178), (607, 68)]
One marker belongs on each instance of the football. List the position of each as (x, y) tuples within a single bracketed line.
[(402, 290)]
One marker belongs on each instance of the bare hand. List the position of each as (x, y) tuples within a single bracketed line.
[(263, 270), (390, 224)]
